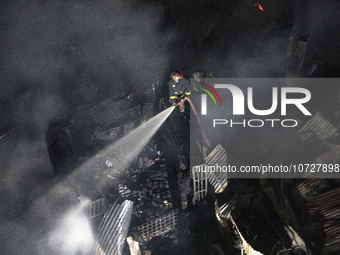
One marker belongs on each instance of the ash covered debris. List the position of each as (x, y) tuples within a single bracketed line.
[(86, 132), (275, 216), (150, 182), (63, 55), (158, 182)]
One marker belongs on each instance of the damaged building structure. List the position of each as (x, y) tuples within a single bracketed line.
[(173, 208), (146, 190), (162, 205)]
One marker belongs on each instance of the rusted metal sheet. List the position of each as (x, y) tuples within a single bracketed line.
[(219, 157), (332, 242), (328, 204), (308, 186)]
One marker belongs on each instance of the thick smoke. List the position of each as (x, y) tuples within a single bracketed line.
[(58, 57)]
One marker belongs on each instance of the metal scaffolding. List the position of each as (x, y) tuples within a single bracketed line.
[(200, 182), (212, 172), (96, 210), (113, 229), (159, 226)]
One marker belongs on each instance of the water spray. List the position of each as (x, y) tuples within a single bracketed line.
[(124, 151)]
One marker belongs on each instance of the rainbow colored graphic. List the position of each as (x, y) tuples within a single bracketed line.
[(209, 93)]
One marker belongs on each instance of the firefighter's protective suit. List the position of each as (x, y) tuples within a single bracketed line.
[(177, 89)]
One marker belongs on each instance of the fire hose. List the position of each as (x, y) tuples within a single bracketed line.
[(181, 104)]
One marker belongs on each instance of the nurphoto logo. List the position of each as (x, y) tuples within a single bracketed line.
[(280, 98)]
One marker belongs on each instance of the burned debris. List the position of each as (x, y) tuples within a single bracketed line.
[(293, 215), (68, 66), (174, 206), (170, 201), (142, 196)]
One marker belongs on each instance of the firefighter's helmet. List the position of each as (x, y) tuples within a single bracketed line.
[(176, 73)]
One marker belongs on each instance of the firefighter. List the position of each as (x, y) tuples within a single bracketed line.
[(178, 87)]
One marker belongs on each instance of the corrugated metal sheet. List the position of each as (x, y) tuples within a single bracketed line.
[(328, 204), (217, 157), (225, 210), (318, 127), (105, 113), (220, 157), (218, 179), (113, 229), (308, 185), (332, 242), (159, 226)]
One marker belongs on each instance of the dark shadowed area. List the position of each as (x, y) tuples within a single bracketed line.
[(61, 57)]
